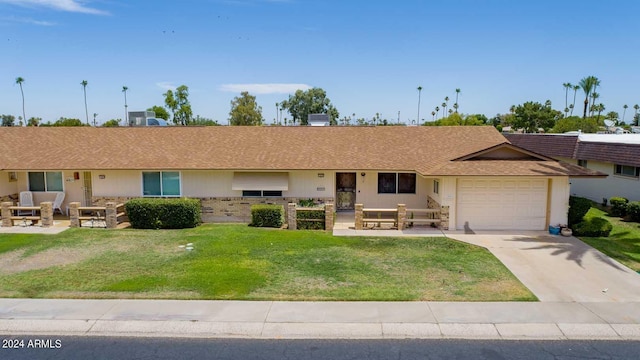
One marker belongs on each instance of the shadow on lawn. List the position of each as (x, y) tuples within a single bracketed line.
[(574, 249)]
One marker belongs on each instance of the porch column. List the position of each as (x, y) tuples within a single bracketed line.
[(291, 216), (74, 214), (111, 215), (46, 213), (6, 214), (444, 217), (402, 215), (328, 216), (359, 216)]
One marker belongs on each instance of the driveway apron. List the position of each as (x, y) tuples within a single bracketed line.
[(560, 269)]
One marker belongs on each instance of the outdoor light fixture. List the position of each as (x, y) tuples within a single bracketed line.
[(363, 174)]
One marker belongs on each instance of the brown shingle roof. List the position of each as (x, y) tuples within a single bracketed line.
[(418, 149), (549, 145), (622, 154), (570, 146)]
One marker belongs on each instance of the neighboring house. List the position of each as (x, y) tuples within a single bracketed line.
[(617, 155), (472, 174)]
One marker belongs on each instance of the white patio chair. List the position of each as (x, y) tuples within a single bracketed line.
[(57, 203), (26, 199)]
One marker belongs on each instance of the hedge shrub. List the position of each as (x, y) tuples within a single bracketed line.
[(163, 213), (618, 206), (633, 210), (310, 214), (593, 227), (267, 215), (578, 208)]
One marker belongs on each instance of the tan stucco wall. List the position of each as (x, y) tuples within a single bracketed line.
[(7, 187), (559, 206), (367, 192), (613, 185), (117, 183)]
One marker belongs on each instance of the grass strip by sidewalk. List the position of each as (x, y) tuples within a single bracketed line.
[(233, 261), (623, 244)]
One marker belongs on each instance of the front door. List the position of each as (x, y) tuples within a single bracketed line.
[(345, 191), (87, 189)]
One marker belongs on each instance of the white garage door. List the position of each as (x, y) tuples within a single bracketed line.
[(517, 204)]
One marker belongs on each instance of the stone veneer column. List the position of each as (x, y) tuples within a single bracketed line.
[(359, 216), (111, 217), (328, 216), (74, 214), (402, 215), (46, 213), (6, 214), (291, 216), (444, 217)]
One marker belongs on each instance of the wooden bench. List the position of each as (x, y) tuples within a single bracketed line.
[(34, 219), (380, 218), (423, 220)]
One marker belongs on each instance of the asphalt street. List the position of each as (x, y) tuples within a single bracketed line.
[(73, 348)]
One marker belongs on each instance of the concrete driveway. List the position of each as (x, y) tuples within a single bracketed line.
[(557, 268)]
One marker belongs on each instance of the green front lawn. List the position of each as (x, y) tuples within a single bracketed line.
[(234, 261), (623, 244)]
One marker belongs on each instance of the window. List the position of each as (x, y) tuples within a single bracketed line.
[(161, 183), (582, 163), (436, 186), (45, 181), (261, 193), (626, 170), (386, 183), (406, 183), (392, 183)]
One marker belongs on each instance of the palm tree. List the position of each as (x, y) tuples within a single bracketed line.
[(587, 84), (126, 113), (600, 109), (593, 106), (84, 88), (624, 112), (635, 115), (567, 86), (19, 81), (419, 92), (433, 115), (444, 109), (455, 106), (575, 91), (437, 110)]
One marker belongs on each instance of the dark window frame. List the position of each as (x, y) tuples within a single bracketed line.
[(261, 193), (389, 183), (45, 183), (619, 170)]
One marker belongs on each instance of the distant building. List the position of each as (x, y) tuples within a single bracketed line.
[(145, 118), (318, 120)]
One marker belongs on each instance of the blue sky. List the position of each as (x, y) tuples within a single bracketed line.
[(370, 56)]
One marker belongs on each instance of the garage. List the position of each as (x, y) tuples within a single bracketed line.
[(501, 204)]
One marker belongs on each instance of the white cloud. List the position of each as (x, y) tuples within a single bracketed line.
[(165, 85), (264, 88), (28, 21), (62, 5)]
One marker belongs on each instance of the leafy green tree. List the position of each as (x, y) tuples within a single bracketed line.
[(19, 81), (8, 120), (202, 121), (112, 123), (612, 115), (68, 122), (178, 103), (34, 121), (84, 84), (161, 113), (531, 116), (588, 85), (312, 101), (245, 110), (575, 123)]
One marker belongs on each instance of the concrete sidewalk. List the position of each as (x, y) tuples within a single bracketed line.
[(291, 320)]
